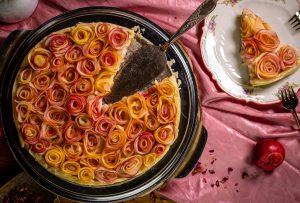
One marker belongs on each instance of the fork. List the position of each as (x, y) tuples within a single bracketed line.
[(290, 101), (295, 19)]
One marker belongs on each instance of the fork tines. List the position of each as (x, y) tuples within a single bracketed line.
[(292, 92), (288, 98), (295, 20), (287, 93), (289, 101)]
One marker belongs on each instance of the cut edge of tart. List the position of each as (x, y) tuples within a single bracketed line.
[(267, 59)]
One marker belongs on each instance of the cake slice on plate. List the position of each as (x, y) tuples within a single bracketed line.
[(268, 60)]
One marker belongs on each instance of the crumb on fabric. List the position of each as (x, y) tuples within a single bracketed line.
[(213, 160), (204, 172), (229, 170), (198, 169), (245, 175), (224, 180)]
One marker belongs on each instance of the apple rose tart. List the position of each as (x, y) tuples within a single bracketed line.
[(267, 59), (64, 122)]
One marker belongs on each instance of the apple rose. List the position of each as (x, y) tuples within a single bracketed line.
[(268, 66), (93, 49), (158, 149), (94, 105), (137, 106), (102, 29), (57, 94), (43, 80), (41, 146), (128, 149), (151, 121), (288, 56), (75, 104), (116, 138), (39, 58), (30, 133), (23, 110), (86, 174), (92, 161), (166, 88), (36, 119), (166, 110), (251, 24), (110, 60), (118, 37), (267, 41), (55, 156), (82, 33), (165, 134), (105, 175), (119, 112), (110, 159), (144, 143), (41, 103), (58, 44), (71, 132), (103, 125), (93, 143), (250, 50), (84, 121), (25, 75), (88, 67), (134, 128), (130, 166), (104, 82), (68, 76), (83, 86), (57, 115), (70, 167), (74, 54), (149, 160), (51, 132), (73, 151), (58, 63), (25, 93)]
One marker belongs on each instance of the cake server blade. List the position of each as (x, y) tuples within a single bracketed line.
[(149, 61)]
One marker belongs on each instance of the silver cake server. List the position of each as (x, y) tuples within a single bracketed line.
[(150, 61)]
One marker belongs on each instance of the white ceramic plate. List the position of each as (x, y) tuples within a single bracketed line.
[(220, 46)]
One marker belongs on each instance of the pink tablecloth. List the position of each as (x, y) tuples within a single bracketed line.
[(233, 126)]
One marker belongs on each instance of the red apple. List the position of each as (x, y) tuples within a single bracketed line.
[(268, 154)]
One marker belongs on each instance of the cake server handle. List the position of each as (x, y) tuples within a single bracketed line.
[(197, 16)]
